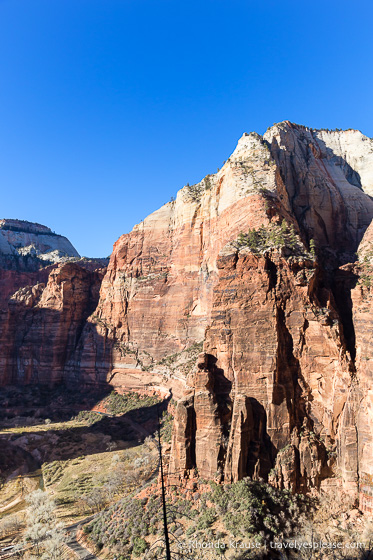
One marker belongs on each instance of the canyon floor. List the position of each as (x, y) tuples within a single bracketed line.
[(84, 462), (101, 469)]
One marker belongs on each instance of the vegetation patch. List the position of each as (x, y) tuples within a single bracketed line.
[(196, 191), (184, 361), (87, 484), (120, 404), (274, 236), (245, 510)]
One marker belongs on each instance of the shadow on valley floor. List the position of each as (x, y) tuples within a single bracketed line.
[(25, 449), (42, 345)]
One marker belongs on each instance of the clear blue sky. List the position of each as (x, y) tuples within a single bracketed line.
[(108, 107)]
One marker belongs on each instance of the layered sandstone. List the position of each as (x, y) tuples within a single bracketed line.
[(282, 388), (157, 294), (40, 324), (156, 297), (283, 392), (325, 178), (271, 351), (43, 304)]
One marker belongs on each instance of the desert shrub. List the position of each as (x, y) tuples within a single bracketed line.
[(206, 519), (88, 416), (120, 404)]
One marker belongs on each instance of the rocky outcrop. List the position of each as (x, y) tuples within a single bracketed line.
[(46, 294), (286, 335), (157, 294), (275, 372), (356, 435), (21, 242), (156, 298), (324, 179)]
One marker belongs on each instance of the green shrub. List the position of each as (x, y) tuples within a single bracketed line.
[(206, 519), (139, 546)]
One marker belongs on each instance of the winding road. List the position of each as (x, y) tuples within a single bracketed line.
[(73, 544)]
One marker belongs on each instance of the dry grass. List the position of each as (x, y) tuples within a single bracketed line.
[(70, 481)]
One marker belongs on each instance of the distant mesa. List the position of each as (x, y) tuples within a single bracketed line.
[(19, 238), (24, 226)]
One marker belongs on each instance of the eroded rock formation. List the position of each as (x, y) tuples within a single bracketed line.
[(282, 389), (291, 337), (46, 294), (40, 325)]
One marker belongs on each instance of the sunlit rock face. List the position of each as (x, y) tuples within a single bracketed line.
[(266, 349), (156, 297), (19, 238), (286, 395)]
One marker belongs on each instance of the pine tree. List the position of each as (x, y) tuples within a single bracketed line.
[(313, 247), (292, 238)]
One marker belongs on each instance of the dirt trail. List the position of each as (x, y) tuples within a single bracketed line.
[(73, 544), (11, 504)]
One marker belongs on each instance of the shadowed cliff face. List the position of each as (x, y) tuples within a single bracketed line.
[(285, 375), (282, 390), (156, 298), (41, 323)]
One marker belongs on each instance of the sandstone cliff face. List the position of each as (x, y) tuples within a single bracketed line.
[(156, 296), (278, 370), (282, 388), (283, 392), (41, 323), (326, 178), (356, 434), (46, 294), (275, 394)]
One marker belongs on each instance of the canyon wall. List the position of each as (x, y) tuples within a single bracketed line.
[(281, 389), (41, 321), (46, 294)]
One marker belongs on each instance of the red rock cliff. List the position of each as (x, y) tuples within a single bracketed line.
[(280, 391), (283, 387), (41, 321)]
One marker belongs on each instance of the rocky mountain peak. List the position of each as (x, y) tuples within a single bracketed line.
[(24, 226)]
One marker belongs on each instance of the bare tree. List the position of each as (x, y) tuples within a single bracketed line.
[(43, 538)]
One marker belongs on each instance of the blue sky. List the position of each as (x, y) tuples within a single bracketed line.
[(108, 107)]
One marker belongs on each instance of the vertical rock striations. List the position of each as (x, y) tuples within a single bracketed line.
[(258, 263), (46, 294), (288, 333), (156, 296), (41, 324)]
